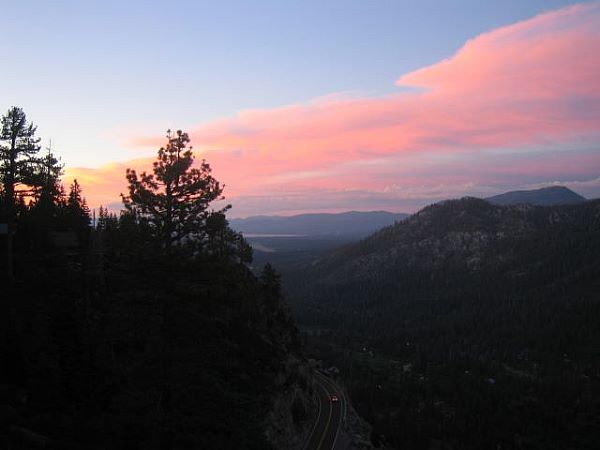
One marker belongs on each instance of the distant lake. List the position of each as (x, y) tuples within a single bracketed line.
[(258, 235)]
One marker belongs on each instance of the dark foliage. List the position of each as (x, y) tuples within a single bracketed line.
[(111, 339), (18, 155), (468, 326)]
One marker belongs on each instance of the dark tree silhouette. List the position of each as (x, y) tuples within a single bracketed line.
[(47, 191), (174, 199), (76, 204), (271, 280), (77, 212), (111, 342), (46, 179), (106, 219), (18, 157), (18, 154)]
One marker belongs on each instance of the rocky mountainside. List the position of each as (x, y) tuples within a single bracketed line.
[(548, 196), (470, 234), (468, 325)]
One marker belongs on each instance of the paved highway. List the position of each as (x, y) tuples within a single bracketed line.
[(328, 424)]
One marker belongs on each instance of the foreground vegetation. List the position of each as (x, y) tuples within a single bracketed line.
[(144, 330)]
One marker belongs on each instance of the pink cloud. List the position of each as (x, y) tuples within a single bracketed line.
[(532, 84), (517, 85)]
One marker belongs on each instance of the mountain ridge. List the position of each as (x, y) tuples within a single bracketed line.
[(470, 221), (546, 196)]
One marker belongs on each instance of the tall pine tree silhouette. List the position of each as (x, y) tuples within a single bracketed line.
[(174, 199), (18, 159), (77, 212)]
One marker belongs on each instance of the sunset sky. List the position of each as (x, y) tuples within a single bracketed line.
[(315, 106)]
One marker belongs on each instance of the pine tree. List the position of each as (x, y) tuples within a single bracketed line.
[(47, 192), (106, 219), (271, 280), (77, 211), (46, 179), (174, 198), (18, 158), (224, 242)]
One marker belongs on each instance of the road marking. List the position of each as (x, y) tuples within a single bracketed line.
[(337, 430), (328, 419), (315, 425), (340, 394)]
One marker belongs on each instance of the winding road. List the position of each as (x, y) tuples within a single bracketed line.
[(328, 424)]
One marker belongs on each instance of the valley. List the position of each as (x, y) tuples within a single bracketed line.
[(467, 325)]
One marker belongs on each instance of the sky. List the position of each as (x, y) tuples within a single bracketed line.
[(315, 105)]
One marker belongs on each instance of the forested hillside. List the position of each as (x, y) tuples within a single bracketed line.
[(468, 325), (143, 330)]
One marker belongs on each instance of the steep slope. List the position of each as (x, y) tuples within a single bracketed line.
[(548, 196), (468, 325), (468, 234), (146, 349)]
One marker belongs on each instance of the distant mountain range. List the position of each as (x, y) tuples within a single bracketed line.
[(358, 224), (548, 196), (287, 241), (352, 224)]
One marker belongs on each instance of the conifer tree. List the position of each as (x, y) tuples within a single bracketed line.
[(47, 192), (46, 178), (271, 280), (18, 158), (174, 199), (18, 155), (76, 205), (106, 219), (77, 211)]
